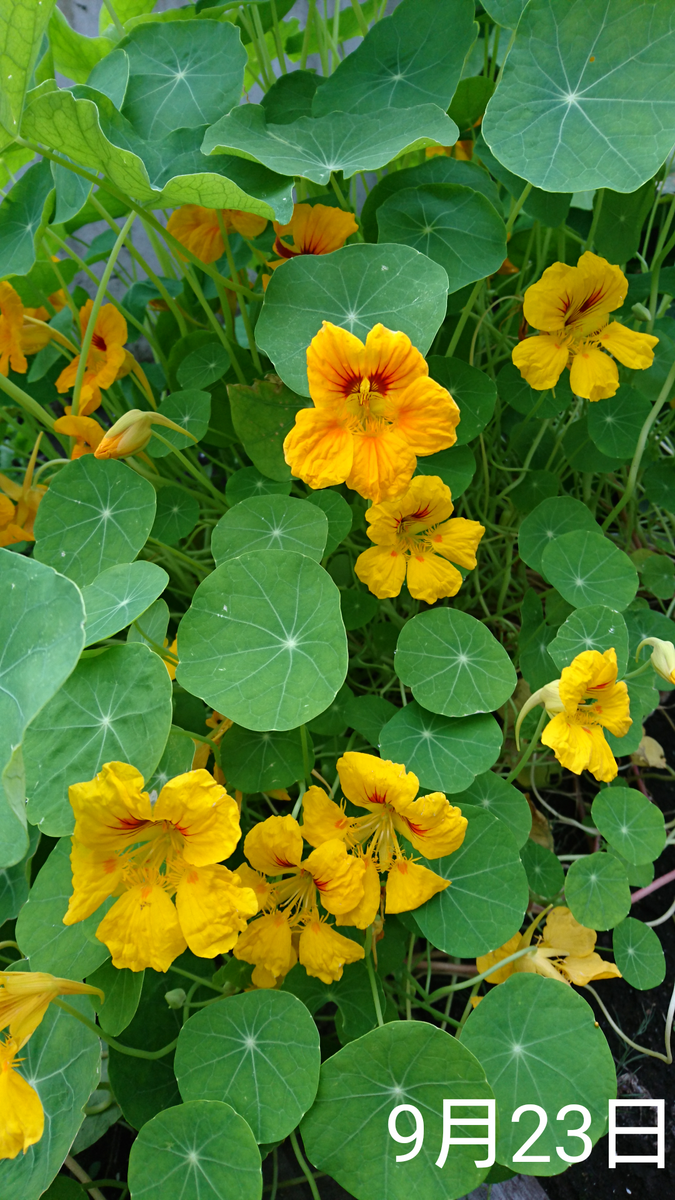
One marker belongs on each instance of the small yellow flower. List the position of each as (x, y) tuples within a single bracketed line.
[(17, 337), (663, 657), (570, 307), (198, 229), (324, 952), (414, 541), (107, 359), (566, 951), (274, 847), (375, 409), (26, 995), (585, 700), (18, 507), (313, 229), (21, 1113)]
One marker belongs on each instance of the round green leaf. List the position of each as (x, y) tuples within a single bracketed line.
[(453, 225), (453, 664), (456, 467), (658, 576), (204, 1148), (69, 951), (338, 514), (259, 1052), (538, 1042), (548, 521), (358, 607), (438, 169), (574, 113), (588, 569), (248, 482), (597, 892), (544, 872), (262, 415), (95, 514), (630, 823), (484, 905), (115, 707), (263, 639), (270, 523), (659, 484), (582, 453), (356, 288), (61, 1060), (445, 753), (119, 595), (177, 515), (189, 409), (122, 991), (333, 720), (615, 424), (592, 628), (367, 715), (537, 486), (471, 389), (151, 626), (505, 12), (258, 762), (404, 1062), (204, 366), (502, 800), (638, 954)]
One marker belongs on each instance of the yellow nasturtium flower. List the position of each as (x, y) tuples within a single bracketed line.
[(566, 951), (107, 359), (19, 504), (146, 849), (198, 228), (570, 307), (21, 1114), (586, 700), (17, 337), (375, 409), (415, 542), (26, 995), (663, 657)]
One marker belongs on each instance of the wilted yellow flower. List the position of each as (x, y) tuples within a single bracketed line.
[(375, 409), (570, 307), (198, 228), (414, 541), (585, 700), (566, 951), (19, 505), (21, 1115)]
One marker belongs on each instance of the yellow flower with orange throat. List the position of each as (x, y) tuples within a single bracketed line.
[(586, 700), (375, 409), (107, 360), (565, 951), (416, 543), (18, 337), (313, 229), (570, 307), (24, 999), (199, 230), (146, 849), (19, 503)]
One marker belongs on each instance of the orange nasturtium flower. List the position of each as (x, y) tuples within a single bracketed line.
[(414, 541), (586, 700), (570, 307), (107, 359), (87, 432), (19, 504), (146, 849), (17, 337), (566, 951), (375, 409), (22, 1117), (198, 229), (313, 229)]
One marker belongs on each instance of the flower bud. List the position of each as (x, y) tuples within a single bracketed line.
[(663, 657), (132, 433), (641, 312), (176, 998)]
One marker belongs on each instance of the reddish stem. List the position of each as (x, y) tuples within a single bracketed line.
[(653, 887)]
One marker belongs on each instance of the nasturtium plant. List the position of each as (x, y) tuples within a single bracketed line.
[(337, 594)]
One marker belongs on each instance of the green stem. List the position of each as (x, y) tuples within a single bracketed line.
[(277, 38), (532, 744), (26, 402), (215, 324), (668, 1056), (98, 300), (371, 975), (130, 1050), (115, 19), (640, 449), (516, 207), (338, 192), (597, 209), (311, 1182), (464, 316), (242, 303), (360, 17), (305, 754)]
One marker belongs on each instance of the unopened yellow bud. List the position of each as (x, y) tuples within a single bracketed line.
[(132, 433), (549, 696), (663, 657)]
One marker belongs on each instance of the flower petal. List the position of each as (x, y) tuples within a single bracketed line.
[(338, 876), (364, 913), (458, 540), (542, 359), (632, 348), (409, 884), (426, 415), (112, 810), (317, 228), (382, 463), (323, 819), (213, 909), (323, 952), (319, 448), (370, 782), (21, 1113), (97, 874), (430, 577), (593, 374), (580, 747), (382, 569), (142, 930), (266, 942), (204, 813), (433, 825), (274, 845)]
